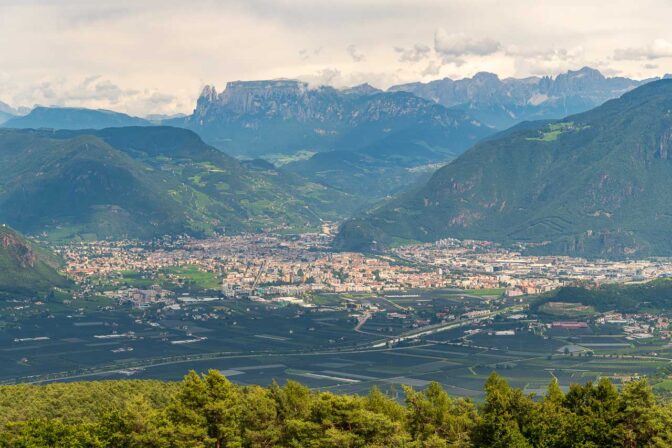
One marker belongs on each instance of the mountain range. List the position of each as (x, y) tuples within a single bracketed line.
[(502, 103), (26, 269), (594, 184), (364, 141), (339, 151), (360, 140), (143, 182), (262, 118)]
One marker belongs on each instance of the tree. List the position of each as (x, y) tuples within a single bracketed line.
[(504, 416), (433, 413), (643, 422), (259, 418)]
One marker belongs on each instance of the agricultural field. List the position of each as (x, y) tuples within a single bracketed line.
[(343, 343)]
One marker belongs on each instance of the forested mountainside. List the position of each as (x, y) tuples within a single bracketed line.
[(144, 182), (593, 184), (209, 411)]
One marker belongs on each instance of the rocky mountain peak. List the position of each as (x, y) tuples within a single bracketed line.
[(361, 90), (485, 77)]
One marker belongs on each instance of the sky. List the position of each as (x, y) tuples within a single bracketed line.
[(154, 56)]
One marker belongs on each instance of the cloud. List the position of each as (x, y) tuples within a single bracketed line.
[(549, 61), (94, 92), (660, 48), (432, 69), (355, 54), (306, 54), (455, 46), (416, 53), (339, 79), (49, 48)]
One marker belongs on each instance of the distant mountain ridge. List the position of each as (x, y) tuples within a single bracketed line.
[(594, 184), (257, 118), (7, 112), (72, 118), (501, 103)]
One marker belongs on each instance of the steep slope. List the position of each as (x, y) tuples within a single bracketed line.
[(72, 118), (4, 116), (7, 112), (501, 103), (261, 118), (144, 182), (25, 269), (596, 183)]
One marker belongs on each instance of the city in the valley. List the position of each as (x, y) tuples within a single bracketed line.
[(285, 306)]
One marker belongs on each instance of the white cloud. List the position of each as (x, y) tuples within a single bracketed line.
[(454, 47), (549, 61), (660, 48)]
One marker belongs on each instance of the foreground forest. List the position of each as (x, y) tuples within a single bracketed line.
[(210, 411)]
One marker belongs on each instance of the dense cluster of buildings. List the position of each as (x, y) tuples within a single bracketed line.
[(482, 264), (292, 265)]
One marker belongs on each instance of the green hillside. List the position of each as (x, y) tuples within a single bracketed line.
[(593, 184), (654, 296), (144, 182), (25, 269)]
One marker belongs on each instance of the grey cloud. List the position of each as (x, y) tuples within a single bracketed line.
[(355, 54), (416, 53), (453, 47), (306, 53), (432, 69)]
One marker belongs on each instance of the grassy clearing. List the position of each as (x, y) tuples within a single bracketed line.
[(553, 131), (485, 292), (565, 309)]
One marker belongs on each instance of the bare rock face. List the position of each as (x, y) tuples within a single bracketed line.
[(25, 270), (256, 118), (665, 145), (22, 251)]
